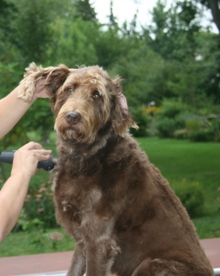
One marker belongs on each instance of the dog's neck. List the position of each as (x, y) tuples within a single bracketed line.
[(79, 150), (86, 159)]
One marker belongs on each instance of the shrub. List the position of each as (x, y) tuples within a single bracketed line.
[(203, 135), (216, 130), (171, 118), (143, 120), (166, 127), (39, 207), (172, 109), (193, 125), (181, 134), (191, 196), (198, 131)]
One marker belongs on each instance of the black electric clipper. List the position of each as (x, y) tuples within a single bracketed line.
[(8, 156)]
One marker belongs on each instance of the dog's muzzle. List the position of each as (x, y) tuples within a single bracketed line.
[(73, 117)]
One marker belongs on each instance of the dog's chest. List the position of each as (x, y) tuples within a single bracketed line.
[(83, 212), (77, 198)]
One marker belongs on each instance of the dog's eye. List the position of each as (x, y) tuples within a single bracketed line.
[(96, 95), (69, 90)]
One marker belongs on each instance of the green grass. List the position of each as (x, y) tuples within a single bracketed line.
[(199, 162), (177, 160), (207, 226), (181, 159), (26, 243)]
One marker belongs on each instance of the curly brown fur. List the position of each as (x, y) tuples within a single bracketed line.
[(35, 73), (122, 213)]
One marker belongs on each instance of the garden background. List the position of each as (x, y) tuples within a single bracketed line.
[(171, 79)]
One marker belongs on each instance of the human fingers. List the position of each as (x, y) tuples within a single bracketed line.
[(25, 161), (31, 145), (41, 154), (40, 90), (33, 150)]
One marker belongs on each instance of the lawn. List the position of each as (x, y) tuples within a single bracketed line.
[(198, 162), (178, 160), (181, 159)]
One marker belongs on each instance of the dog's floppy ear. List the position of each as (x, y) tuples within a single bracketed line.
[(54, 76), (121, 117)]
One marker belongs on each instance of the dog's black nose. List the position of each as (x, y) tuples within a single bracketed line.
[(73, 117)]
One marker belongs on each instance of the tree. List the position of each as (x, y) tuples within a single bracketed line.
[(173, 30), (7, 15), (113, 24), (85, 10), (212, 82), (73, 44), (214, 6), (142, 71), (32, 32)]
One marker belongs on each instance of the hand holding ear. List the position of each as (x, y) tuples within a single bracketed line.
[(41, 90)]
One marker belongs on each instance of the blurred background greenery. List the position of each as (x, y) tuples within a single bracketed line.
[(171, 79)]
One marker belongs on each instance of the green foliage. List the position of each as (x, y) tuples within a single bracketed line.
[(143, 120), (169, 58), (166, 128), (203, 135), (110, 47), (216, 130), (141, 70), (191, 196), (174, 30), (202, 129), (193, 125), (36, 241), (72, 45), (85, 10), (32, 32), (39, 209), (172, 108), (17, 136), (39, 118), (10, 76), (170, 118)]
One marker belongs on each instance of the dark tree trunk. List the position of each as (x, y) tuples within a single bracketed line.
[(214, 5)]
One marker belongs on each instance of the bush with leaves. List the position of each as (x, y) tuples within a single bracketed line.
[(203, 129), (39, 208), (191, 196), (143, 120), (170, 118)]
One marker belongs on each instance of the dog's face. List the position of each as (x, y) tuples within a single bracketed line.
[(86, 103)]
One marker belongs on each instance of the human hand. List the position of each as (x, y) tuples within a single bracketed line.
[(27, 157), (40, 89)]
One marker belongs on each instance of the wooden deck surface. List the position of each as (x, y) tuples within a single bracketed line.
[(58, 263)]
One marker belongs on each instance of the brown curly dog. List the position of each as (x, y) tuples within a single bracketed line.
[(124, 216)]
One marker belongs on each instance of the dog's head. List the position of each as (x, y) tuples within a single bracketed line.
[(87, 103)]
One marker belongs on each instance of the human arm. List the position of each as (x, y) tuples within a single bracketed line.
[(13, 108), (14, 190)]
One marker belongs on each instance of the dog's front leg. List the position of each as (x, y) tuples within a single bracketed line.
[(78, 263), (100, 256)]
